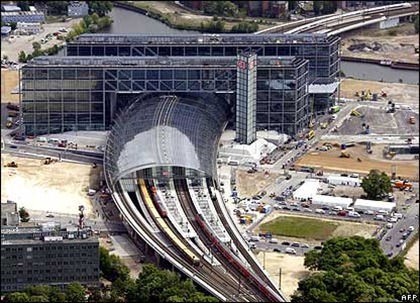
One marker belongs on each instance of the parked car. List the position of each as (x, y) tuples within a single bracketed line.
[(296, 209), (276, 250), (283, 203), (290, 250), (388, 238), (304, 245), (318, 247), (286, 207), (285, 243), (295, 244), (333, 213), (307, 210)]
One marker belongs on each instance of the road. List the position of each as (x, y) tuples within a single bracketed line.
[(411, 219), (28, 150)]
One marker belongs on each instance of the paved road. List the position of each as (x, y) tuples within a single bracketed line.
[(411, 219), (24, 149)]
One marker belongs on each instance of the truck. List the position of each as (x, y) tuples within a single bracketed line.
[(403, 184), (334, 109)]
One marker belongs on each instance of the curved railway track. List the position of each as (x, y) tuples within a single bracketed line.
[(245, 287), (215, 277)]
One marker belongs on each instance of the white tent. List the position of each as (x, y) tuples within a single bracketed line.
[(338, 180), (332, 201), (362, 204), (308, 190)]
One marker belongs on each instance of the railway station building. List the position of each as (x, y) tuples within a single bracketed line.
[(101, 73)]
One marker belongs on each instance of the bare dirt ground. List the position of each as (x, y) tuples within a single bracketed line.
[(344, 229), (58, 187), (396, 123), (330, 161), (292, 270), (401, 93), (379, 44), (412, 257), (251, 184), (9, 80)]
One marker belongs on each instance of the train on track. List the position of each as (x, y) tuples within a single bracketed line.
[(235, 262), (159, 214)]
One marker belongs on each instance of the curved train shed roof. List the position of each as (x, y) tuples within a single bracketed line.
[(166, 132)]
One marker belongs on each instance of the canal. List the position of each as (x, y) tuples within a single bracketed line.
[(126, 21)]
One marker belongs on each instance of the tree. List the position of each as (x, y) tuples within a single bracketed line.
[(24, 5), (57, 7), (245, 27), (416, 24), (13, 25), (36, 46), (355, 269), (100, 7), (75, 292), (329, 7), (23, 213), (292, 5), (111, 266), (5, 58), (220, 8), (376, 184), (317, 7), (38, 299), (16, 297), (55, 295)]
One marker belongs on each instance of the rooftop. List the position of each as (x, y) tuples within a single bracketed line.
[(194, 39), (158, 61)]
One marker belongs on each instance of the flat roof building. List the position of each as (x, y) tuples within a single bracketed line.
[(9, 214), (332, 201), (48, 255), (29, 17), (348, 181), (362, 204), (307, 190)]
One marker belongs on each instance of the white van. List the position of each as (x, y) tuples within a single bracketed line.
[(354, 214), (273, 241), (383, 212), (290, 250), (337, 208), (350, 208), (398, 215), (254, 239), (319, 211)]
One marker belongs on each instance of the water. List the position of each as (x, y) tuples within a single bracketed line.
[(368, 71), (126, 21)]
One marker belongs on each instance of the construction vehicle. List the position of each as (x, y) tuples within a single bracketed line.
[(402, 184), (47, 160), (9, 124), (356, 113), (412, 120), (319, 173), (344, 154), (384, 94), (11, 164), (310, 135), (272, 195), (391, 107), (324, 125), (334, 109)]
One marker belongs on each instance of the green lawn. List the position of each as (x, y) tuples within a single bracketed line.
[(298, 227)]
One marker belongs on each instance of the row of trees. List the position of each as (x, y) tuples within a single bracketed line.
[(355, 270), (89, 24), (324, 7), (218, 26), (152, 285), (74, 292)]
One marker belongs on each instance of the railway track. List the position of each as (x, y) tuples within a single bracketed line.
[(216, 277), (245, 289), (257, 269)]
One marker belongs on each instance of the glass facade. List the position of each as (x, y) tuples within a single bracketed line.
[(74, 93), (321, 50), (246, 102)]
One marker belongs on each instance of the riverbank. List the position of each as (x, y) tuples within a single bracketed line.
[(177, 17), (390, 63), (397, 45)]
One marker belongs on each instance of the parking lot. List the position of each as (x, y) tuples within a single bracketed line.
[(13, 45)]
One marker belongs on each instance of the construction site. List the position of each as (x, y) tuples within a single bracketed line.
[(44, 184), (370, 120)]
